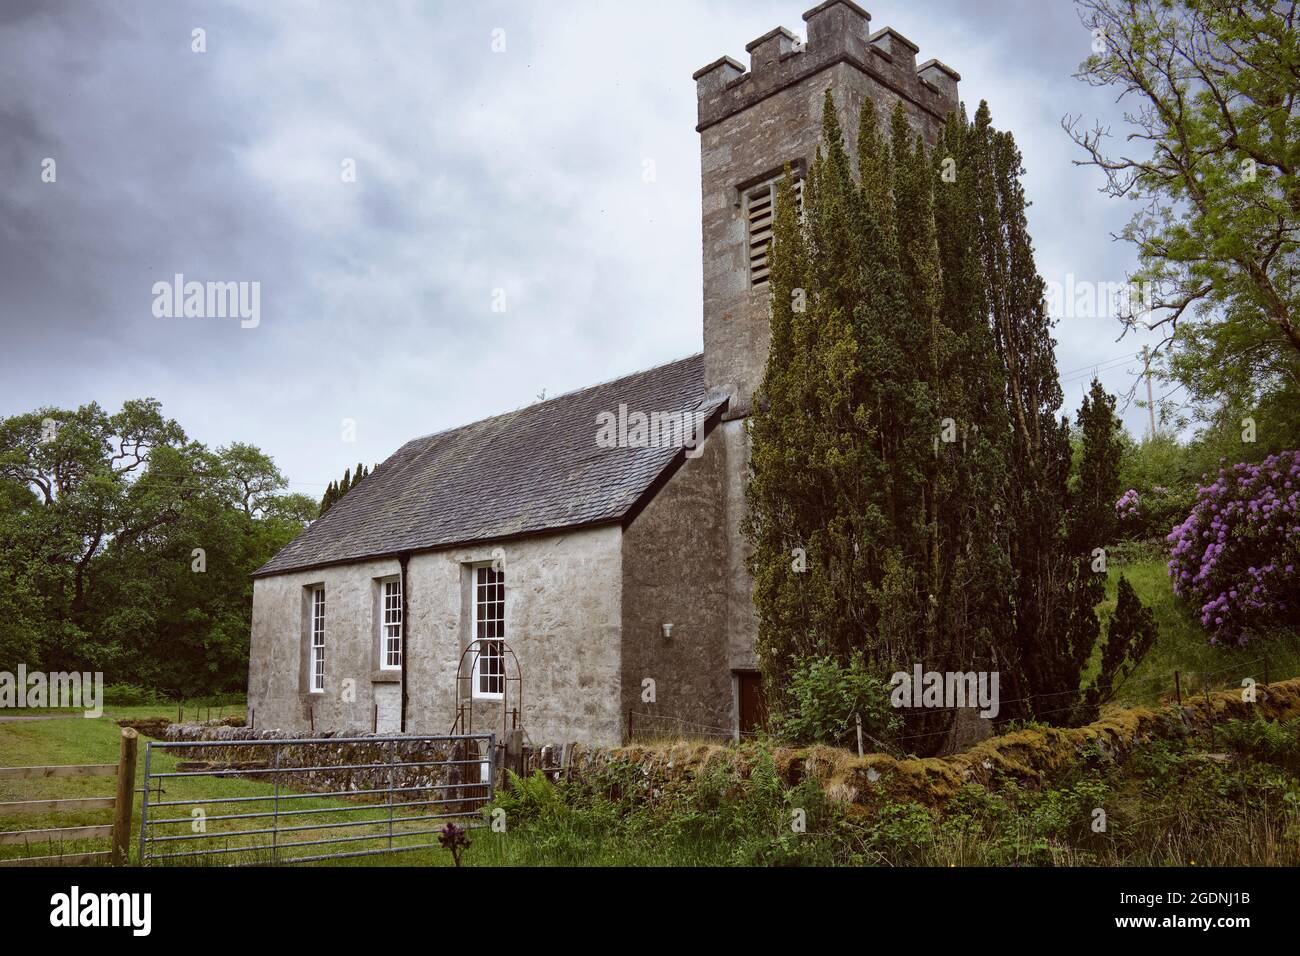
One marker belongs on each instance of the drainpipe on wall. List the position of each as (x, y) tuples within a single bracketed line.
[(406, 638)]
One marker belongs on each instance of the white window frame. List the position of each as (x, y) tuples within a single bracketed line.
[(391, 643), (493, 628), (316, 634)]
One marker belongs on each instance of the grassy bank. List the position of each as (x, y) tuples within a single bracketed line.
[(1182, 644), (1174, 802)]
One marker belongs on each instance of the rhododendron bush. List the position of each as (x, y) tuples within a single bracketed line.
[(1236, 555)]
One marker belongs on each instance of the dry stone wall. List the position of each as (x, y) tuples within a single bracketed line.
[(348, 761)]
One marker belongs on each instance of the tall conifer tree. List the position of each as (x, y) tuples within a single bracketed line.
[(909, 495)]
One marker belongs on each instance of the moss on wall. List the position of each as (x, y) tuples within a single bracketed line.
[(1029, 756)]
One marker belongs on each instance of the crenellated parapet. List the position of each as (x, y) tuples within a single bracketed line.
[(839, 31)]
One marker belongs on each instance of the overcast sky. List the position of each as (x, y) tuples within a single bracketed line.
[(476, 170)]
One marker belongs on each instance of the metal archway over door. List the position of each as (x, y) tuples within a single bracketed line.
[(489, 688)]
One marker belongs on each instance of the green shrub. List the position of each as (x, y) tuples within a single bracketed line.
[(1162, 474), (824, 698), (1130, 635), (1066, 814)]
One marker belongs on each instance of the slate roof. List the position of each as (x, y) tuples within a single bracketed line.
[(528, 471)]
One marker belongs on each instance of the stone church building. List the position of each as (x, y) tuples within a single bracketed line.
[(578, 564)]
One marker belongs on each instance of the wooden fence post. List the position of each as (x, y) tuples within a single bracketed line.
[(1209, 717), (125, 803), (515, 751)]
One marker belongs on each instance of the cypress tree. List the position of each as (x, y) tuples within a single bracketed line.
[(909, 496), (1051, 583), (1090, 528), (837, 438), (783, 479), (1131, 634), (327, 500), (337, 490), (971, 450), (1016, 479)]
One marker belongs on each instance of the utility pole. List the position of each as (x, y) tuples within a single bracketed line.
[(1151, 402)]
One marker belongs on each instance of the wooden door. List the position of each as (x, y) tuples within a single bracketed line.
[(753, 708)]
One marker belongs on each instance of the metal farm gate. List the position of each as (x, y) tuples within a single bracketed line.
[(268, 802)]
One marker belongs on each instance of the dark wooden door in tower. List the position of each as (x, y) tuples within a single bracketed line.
[(753, 708)]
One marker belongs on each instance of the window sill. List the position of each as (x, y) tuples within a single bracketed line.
[(386, 675)]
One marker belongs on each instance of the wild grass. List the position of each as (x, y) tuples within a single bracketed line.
[(1166, 803), (1183, 645)]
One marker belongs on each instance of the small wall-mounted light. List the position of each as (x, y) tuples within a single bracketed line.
[(668, 630)]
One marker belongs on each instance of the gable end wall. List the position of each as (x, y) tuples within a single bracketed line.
[(675, 571)]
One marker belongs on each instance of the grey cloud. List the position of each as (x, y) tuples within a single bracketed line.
[(476, 170)]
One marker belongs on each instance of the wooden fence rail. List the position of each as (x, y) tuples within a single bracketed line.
[(119, 831)]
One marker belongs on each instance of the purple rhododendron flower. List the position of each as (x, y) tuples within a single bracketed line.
[(1244, 579), (1127, 505)]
